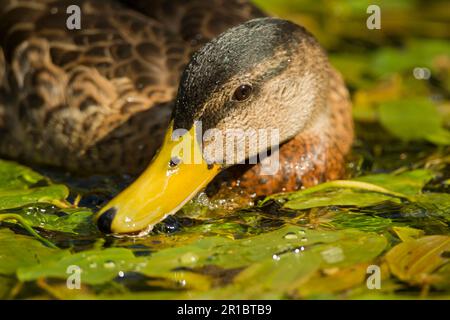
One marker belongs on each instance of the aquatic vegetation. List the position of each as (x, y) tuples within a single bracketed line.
[(314, 243), (391, 213)]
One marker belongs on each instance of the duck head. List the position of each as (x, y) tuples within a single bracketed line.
[(266, 77)]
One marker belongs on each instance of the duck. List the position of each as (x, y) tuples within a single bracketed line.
[(139, 80)]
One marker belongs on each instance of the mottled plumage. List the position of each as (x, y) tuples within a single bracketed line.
[(99, 99)]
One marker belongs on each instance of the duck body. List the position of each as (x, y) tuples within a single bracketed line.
[(100, 99)]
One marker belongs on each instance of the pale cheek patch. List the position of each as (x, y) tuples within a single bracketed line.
[(292, 107)]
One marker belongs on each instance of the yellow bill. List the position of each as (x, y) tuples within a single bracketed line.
[(162, 189)]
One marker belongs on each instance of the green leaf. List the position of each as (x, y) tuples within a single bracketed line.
[(20, 186), (97, 266), (342, 197), (408, 183), (414, 119), (407, 233), (436, 204), (361, 192), (415, 260), (77, 221), (271, 260), (276, 276), (331, 281), (21, 189), (26, 226), (416, 54), (17, 251)]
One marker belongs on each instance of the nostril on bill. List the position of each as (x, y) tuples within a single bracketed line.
[(104, 222)]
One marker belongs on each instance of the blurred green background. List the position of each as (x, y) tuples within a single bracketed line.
[(379, 65)]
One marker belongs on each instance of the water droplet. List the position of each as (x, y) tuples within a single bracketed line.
[(422, 73), (140, 266), (298, 250), (290, 236), (333, 255), (188, 258), (121, 274), (276, 257)]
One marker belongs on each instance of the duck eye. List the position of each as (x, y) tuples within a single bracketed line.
[(242, 92)]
